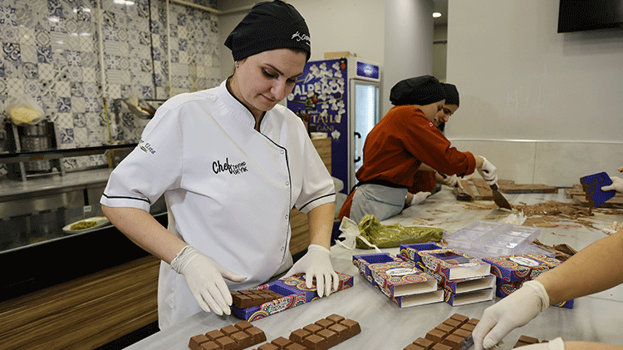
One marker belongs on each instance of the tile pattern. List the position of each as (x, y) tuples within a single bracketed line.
[(50, 51)]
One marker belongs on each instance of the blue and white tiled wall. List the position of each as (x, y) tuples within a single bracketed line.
[(50, 51)]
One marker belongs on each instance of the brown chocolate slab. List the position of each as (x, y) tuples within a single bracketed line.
[(527, 339), (331, 337), (268, 346), (324, 323), (215, 334), (312, 328), (335, 318), (256, 334), (414, 347), (435, 335), (298, 335), (195, 341), (242, 325), (353, 326), (315, 342), (342, 332), (473, 321), (209, 346), (462, 333), (439, 346), (460, 318), (445, 328), (295, 346), (423, 342), (468, 327), (281, 342), (243, 339), (453, 341), (452, 323)]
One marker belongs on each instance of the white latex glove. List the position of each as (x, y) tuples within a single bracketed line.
[(488, 172), (511, 312), (419, 198), (617, 185), (556, 344), (204, 278), (451, 180), (316, 263)]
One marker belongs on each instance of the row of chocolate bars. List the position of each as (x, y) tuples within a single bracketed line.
[(425, 273)]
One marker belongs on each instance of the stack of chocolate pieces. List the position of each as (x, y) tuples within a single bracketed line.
[(525, 340), (252, 297), (321, 335), (233, 337), (455, 333)]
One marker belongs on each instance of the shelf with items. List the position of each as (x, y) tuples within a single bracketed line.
[(32, 151)]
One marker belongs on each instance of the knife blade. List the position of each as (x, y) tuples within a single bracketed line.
[(499, 199)]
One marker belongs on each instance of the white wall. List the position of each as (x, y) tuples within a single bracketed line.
[(543, 107), (408, 43)]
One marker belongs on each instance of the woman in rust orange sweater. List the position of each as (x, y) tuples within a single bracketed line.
[(426, 180), (398, 145)]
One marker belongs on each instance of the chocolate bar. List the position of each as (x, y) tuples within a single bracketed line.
[(525, 340), (252, 297), (325, 333), (233, 337), (454, 333)]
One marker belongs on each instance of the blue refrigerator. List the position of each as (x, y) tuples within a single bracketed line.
[(340, 97)]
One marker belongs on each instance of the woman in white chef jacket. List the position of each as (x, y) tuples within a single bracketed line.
[(231, 164)]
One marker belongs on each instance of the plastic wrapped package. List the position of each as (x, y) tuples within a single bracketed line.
[(370, 233)]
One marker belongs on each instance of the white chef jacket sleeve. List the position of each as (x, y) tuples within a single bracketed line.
[(318, 187), (153, 167)]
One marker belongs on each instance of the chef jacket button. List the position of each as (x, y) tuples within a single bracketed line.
[(287, 183), (282, 151), (286, 217), (282, 248)]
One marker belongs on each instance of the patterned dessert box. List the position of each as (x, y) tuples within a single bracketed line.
[(451, 264), (520, 267), (397, 279), (410, 251), (294, 292), (475, 296), (465, 285), (363, 261), (299, 283), (419, 299)]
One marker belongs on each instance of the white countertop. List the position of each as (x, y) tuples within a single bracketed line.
[(386, 326)]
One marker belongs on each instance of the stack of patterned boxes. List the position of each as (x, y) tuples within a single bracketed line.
[(512, 271), (398, 279), (464, 279)]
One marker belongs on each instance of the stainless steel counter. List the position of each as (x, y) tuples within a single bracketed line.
[(10, 188), (386, 326)]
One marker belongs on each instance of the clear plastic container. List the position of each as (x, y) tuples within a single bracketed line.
[(487, 239)]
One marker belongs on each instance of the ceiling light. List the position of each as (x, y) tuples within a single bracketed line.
[(436, 14)]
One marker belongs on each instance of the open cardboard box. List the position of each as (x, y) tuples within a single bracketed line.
[(449, 263)]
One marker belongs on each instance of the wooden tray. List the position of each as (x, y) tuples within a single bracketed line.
[(479, 190)]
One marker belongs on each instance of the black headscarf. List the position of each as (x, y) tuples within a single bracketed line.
[(269, 26), (422, 90), (452, 94)]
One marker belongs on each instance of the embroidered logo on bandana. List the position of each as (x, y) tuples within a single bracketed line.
[(301, 37), (234, 169), (431, 126)]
